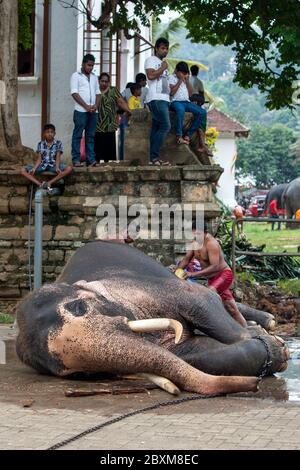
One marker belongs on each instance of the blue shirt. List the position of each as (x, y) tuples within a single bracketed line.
[(48, 154)]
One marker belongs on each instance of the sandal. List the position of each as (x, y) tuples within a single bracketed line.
[(180, 140), (187, 140), (78, 164)]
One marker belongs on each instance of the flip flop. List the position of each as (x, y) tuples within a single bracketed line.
[(78, 165), (180, 140)]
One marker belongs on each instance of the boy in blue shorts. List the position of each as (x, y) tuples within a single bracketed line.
[(49, 152)]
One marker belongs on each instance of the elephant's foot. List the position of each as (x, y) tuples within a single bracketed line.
[(245, 358), (265, 319), (277, 354)]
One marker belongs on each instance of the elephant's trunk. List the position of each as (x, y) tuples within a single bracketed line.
[(107, 344)]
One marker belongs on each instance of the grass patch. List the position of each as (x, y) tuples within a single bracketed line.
[(260, 233), (289, 286), (6, 318), (245, 277)]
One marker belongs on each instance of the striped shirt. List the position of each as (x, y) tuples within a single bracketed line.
[(107, 121)]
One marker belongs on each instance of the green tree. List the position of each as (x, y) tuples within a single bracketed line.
[(25, 8), (264, 35), (248, 106), (168, 31), (266, 157)]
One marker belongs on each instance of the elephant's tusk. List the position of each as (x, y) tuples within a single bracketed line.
[(161, 382), (157, 324)]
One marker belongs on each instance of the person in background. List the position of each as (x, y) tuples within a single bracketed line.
[(197, 86), (158, 99), (274, 214), (126, 94), (198, 98), (49, 151), (134, 101), (181, 90), (86, 94), (141, 79), (238, 213), (107, 125)]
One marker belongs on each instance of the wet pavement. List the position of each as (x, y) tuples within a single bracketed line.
[(36, 414)]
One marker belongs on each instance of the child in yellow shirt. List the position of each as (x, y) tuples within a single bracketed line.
[(134, 101)]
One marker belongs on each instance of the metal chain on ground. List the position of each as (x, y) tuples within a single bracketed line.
[(267, 364), (126, 415)]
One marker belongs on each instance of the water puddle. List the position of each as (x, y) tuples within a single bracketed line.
[(292, 375), (284, 386)]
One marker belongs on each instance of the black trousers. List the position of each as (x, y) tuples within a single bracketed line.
[(105, 146)]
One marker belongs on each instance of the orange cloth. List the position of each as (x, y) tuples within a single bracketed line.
[(297, 214)]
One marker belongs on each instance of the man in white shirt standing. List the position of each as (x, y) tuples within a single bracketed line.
[(158, 99), (86, 94)]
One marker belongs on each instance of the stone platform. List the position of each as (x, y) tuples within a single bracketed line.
[(71, 219)]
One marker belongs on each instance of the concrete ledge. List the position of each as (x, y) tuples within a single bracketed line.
[(72, 218)]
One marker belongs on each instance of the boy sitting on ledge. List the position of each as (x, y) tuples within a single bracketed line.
[(181, 90), (49, 151)]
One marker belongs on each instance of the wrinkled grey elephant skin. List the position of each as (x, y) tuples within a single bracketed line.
[(80, 324), (291, 198), (276, 193)]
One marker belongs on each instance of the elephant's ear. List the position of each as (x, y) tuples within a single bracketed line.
[(93, 289)]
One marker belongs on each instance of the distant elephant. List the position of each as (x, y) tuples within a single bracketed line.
[(275, 192), (115, 310), (291, 198)]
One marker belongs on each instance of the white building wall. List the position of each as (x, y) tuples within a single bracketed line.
[(131, 64), (29, 89), (225, 156), (65, 56), (62, 63)]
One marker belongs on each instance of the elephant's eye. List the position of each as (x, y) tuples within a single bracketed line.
[(77, 307)]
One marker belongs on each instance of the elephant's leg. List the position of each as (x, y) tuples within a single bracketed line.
[(107, 344), (266, 320), (244, 358), (203, 308), (233, 310)]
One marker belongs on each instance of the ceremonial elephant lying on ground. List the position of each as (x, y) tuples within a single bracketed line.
[(86, 322)]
